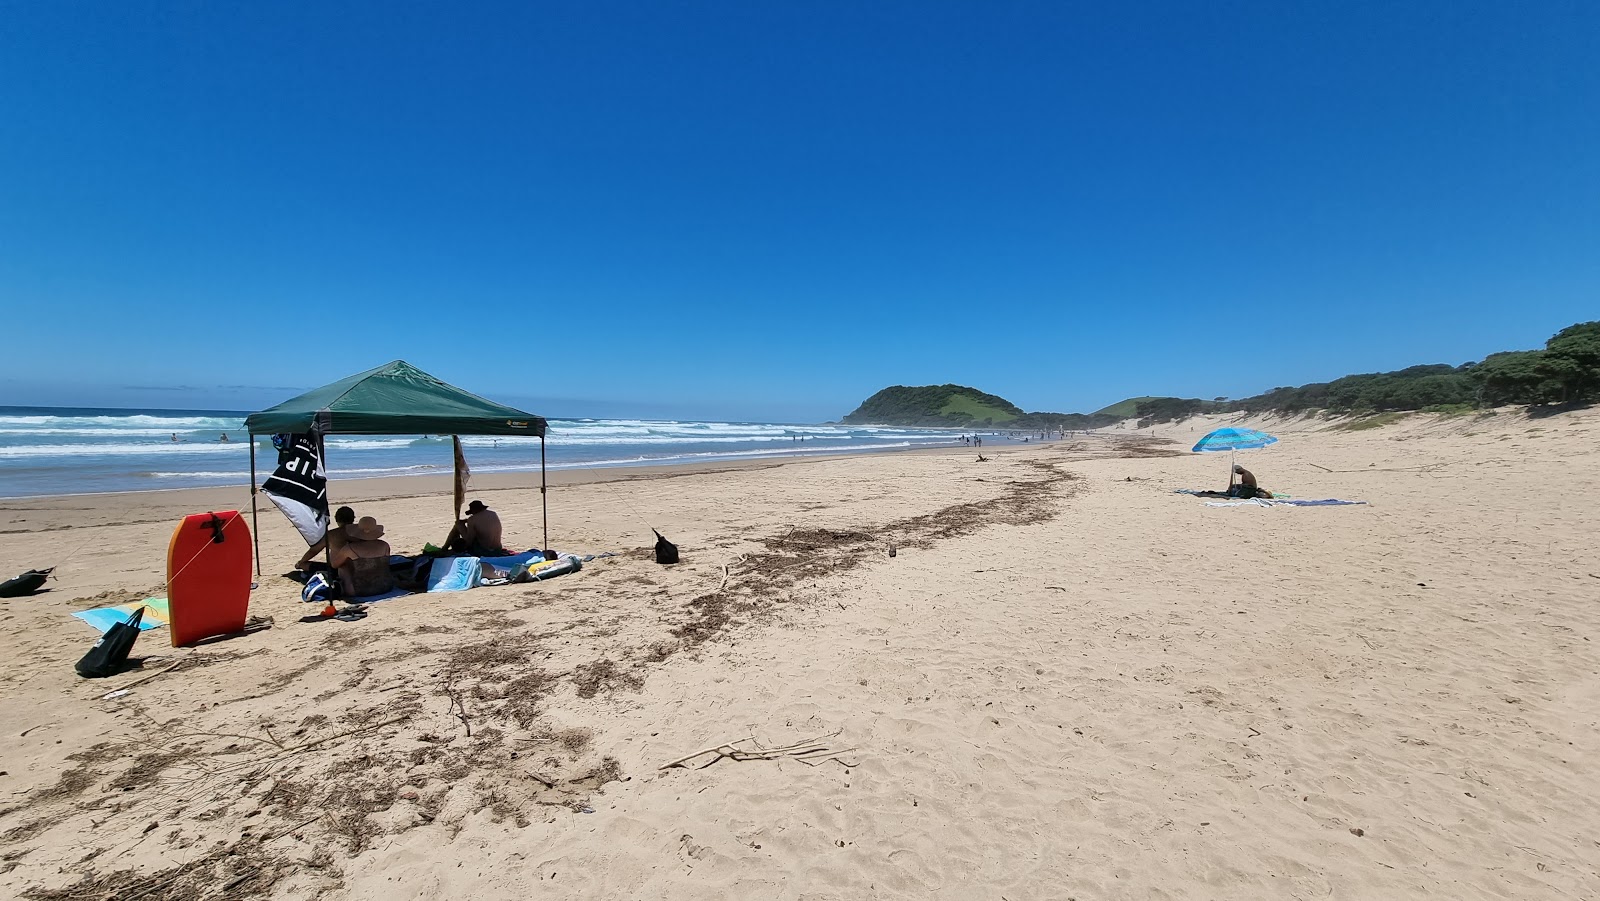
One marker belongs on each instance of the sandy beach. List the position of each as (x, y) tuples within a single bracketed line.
[(1065, 681)]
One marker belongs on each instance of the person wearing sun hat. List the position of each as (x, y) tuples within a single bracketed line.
[(363, 561), (477, 535)]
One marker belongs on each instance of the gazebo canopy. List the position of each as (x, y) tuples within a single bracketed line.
[(394, 399)]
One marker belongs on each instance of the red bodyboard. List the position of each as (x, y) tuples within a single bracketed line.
[(208, 576)]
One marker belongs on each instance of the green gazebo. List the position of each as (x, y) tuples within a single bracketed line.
[(394, 399)]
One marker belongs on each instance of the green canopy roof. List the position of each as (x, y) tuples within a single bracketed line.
[(394, 399)]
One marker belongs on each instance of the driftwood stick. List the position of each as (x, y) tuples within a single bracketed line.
[(238, 879), (265, 741), (774, 754), (812, 740), (808, 742), (295, 827), (148, 678), (721, 755), (317, 741), (818, 761), (160, 883), (456, 704), (685, 759)]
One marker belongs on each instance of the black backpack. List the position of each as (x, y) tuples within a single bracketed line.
[(666, 551), (110, 653), (25, 584)]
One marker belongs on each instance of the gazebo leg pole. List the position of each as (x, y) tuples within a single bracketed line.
[(327, 546), (255, 520), (544, 495)]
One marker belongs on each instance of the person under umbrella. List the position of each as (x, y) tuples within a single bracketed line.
[(1246, 487)]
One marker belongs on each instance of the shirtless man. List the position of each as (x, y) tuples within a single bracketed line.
[(332, 540), (478, 535), (1247, 484)]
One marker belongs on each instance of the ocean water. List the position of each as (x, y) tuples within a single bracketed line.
[(71, 450)]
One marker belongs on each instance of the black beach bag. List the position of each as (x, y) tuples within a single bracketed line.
[(110, 653), (25, 584), (666, 551)]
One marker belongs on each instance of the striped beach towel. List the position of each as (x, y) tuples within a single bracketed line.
[(102, 618)]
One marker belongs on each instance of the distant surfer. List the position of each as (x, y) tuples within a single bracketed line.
[(224, 438), (174, 437)]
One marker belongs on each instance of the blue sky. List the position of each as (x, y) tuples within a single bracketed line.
[(770, 211)]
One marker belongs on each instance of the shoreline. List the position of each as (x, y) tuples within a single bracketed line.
[(162, 504), (130, 470)]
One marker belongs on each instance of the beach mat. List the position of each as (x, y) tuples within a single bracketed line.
[(1261, 502), (103, 618)]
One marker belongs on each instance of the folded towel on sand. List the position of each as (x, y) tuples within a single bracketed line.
[(102, 618), (454, 574)]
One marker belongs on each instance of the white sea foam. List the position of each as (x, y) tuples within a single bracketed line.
[(41, 453), (187, 448), (163, 424)]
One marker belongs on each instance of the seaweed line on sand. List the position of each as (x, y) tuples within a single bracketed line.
[(793, 556)]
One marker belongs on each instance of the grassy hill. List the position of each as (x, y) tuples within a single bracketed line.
[(958, 406), (969, 408), (1124, 409), (934, 405)]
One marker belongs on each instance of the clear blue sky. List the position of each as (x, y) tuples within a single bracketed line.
[(770, 211)]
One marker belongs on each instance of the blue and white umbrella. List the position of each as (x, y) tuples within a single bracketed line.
[(1233, 440)]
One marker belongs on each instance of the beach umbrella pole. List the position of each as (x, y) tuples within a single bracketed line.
[(544, 494)]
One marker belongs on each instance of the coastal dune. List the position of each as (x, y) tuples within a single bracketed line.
[(1065, 681)]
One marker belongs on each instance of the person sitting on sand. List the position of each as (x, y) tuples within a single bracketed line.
[(477, 535), (331, 540), (363, 560), (1247, 486)]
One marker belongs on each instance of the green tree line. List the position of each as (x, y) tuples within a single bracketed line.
[(1565, 371)]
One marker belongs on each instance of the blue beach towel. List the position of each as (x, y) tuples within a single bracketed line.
[(511, 561), (454, 574), (1325, 502)]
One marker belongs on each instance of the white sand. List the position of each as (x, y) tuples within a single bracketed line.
[(1097, 690)]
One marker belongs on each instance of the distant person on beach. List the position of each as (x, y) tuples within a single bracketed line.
[(332, 540), (478, 535), (1247, 486), (363, 560)]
